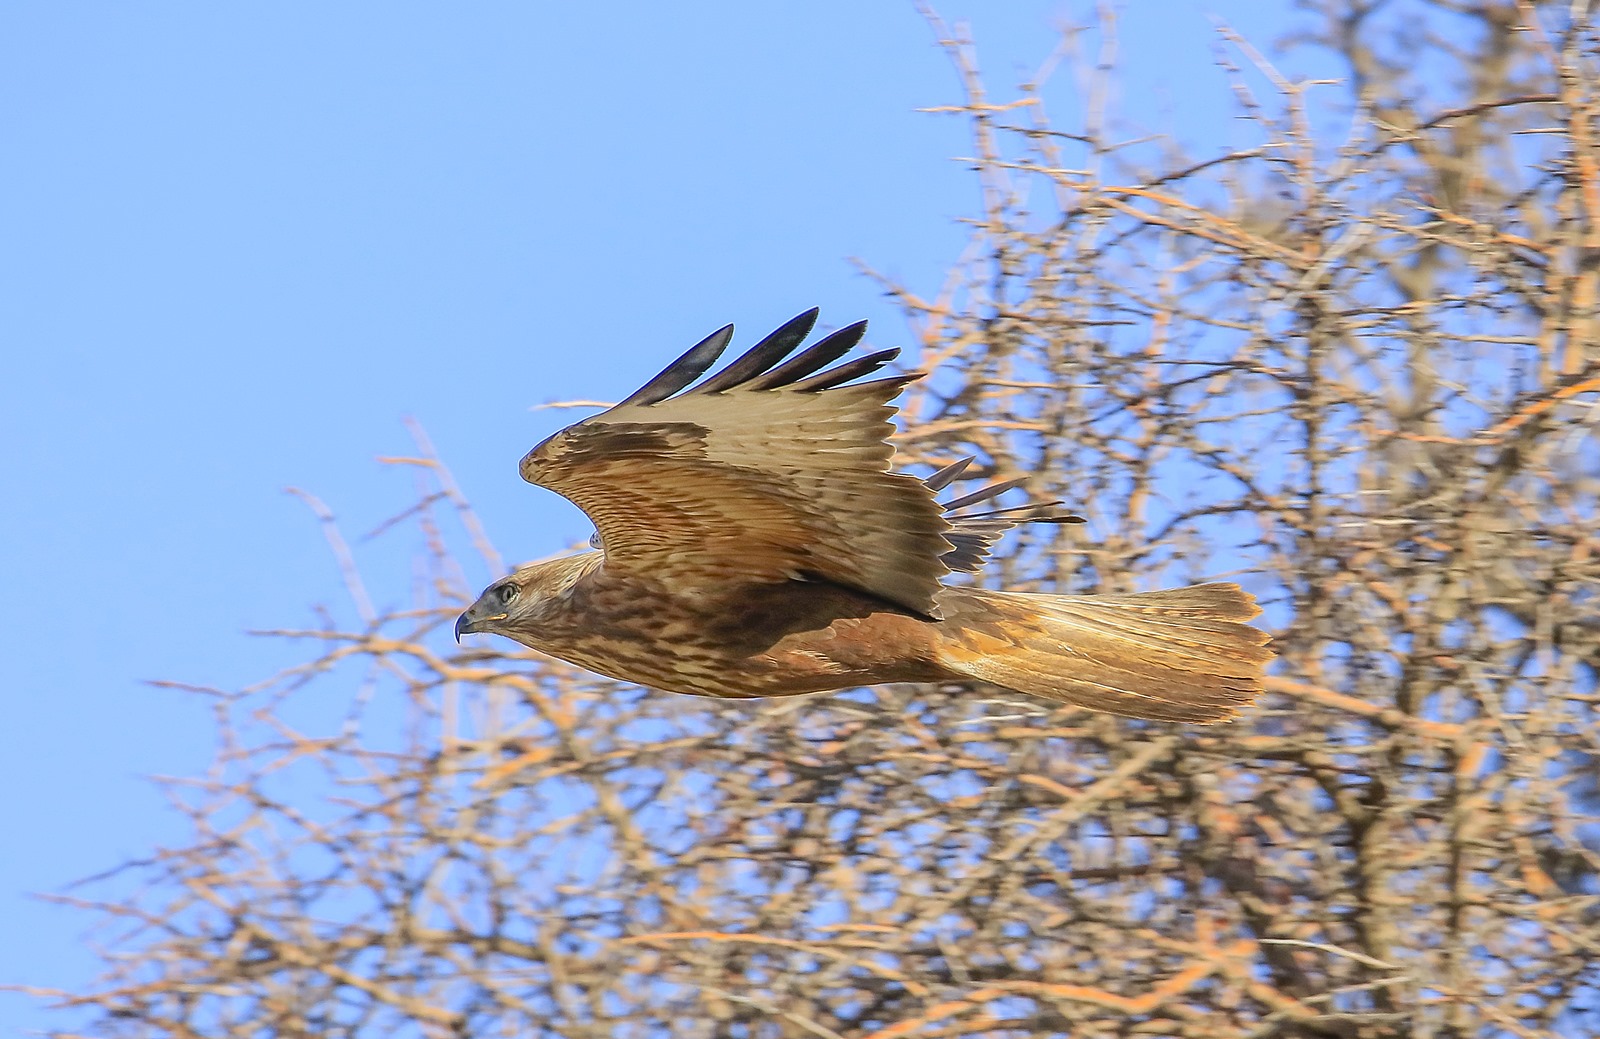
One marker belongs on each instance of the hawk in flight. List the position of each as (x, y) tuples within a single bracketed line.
[(752, 540)]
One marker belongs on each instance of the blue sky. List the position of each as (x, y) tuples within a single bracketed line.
[(243, 242)]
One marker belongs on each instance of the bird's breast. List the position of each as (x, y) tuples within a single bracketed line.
[(779, 639)]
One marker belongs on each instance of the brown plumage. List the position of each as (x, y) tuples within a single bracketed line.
[(752, 541)]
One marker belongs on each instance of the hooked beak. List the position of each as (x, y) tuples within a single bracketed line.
[(468, 623)]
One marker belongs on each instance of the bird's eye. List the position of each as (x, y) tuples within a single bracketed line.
[(508, 594)]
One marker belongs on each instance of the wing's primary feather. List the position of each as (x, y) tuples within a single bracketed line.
[(780, 344), (760, 474), (854, 370), (684, 370), (823, 352)]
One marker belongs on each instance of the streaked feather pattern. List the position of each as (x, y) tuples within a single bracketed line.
[(754, 542)]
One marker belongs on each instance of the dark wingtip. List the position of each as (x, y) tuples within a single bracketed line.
[(851, 370), (684, 370), (775, 347), (754, 370), (823, 352)]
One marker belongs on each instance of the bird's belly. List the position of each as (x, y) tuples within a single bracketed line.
[(749, 655)]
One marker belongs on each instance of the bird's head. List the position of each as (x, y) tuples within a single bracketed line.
[(525, 602)]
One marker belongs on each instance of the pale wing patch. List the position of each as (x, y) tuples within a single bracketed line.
[(777, 472)]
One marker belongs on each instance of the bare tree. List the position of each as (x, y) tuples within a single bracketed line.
[(1354, 362)]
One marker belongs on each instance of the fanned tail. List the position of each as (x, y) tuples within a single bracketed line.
[(1180, 655)]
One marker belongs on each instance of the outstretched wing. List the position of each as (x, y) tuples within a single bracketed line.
[(769, 470)]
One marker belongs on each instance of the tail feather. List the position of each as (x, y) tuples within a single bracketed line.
[(1177, 655)]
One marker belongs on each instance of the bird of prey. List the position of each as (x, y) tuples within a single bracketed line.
[(752, 540)]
